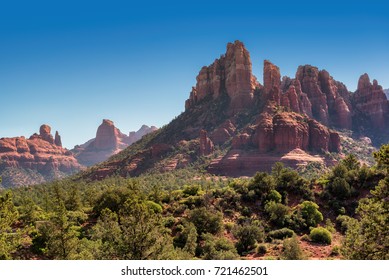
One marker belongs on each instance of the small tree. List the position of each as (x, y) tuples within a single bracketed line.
[(311, 214), (367, 237), (247, 236), (321, 235), (292, 249), (9, 240), (206, 221)]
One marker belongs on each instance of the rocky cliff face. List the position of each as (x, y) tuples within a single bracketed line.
[(40, 153), (370, 101), (231, 75), (109, 141)]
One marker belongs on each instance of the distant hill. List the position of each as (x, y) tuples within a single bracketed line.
[(387, 92), (109, 140), (233, 125)]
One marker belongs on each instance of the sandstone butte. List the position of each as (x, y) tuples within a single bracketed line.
[(41, 152), (109, 140)]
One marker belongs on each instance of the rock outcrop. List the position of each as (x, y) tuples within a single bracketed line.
[(231, 74), (370, 101), (57, 139), (38, 153), (285, 131), (206, 145), (109, 141)]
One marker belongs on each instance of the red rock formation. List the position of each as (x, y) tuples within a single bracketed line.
[(223, 132), (232, 74), (334, 144), (283, 132), (45, 133), (308, 77), (159, 149), (206, 145), (340, 112), (38, 153), (271, 82), (264, 136), (109, 141), (240, 141), (370, 100), (319, 136), (289, 132), (57, 139), (107, 136)]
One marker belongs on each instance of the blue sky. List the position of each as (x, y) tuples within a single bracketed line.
[(72, 63)]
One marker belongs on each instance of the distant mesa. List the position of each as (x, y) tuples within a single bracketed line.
[(387, 93), (41, 153), (109, 140)]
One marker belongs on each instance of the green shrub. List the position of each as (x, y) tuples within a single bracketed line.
[(310, 213), (247, 236), (191, 190), (340, 188), (342, 222), (277, 212), (206, 221), (292, 249), (321, 235), (281, 233), (274, 196), (261, 249), (218, 248), (155, 207)]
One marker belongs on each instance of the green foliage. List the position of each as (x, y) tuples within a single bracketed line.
[(108, 235), (9, 239), (206, 221), (292, 249), (186, 238), (310, 213), (261, 249), (382, 157), (340, 188), (277, 213), (62, 235), (342, 222), (320, 235), (247, 236), (274, 196), (141, 228), (218, 248), (191, 190), (367, 237), (157, 208), (280, 233)]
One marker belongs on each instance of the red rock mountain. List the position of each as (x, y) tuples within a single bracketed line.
[(109, 141), (292, 120), (41, 153)]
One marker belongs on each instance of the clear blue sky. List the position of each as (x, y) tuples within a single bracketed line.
[(72, 63)]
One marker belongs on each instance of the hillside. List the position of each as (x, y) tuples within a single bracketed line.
[(233, 125)]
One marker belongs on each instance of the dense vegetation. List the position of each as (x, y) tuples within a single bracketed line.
[(185, 215)]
